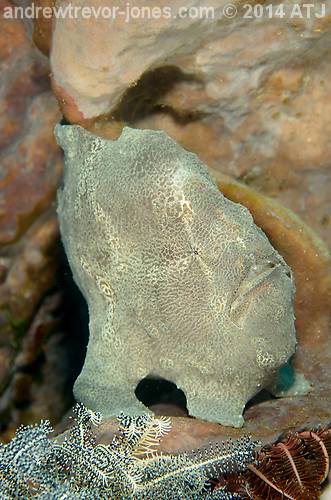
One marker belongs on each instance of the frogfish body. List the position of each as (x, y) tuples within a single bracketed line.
[(179, 281)]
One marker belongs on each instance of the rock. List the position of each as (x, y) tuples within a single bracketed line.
[(253, 103), (32, 354), (249, 95), (42, 28), (95, 87)]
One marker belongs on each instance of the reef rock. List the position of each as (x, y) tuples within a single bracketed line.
[(179, 281), (246, 90), (33, 379)]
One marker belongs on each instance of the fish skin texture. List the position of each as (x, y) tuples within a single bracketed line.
[(179, 281)]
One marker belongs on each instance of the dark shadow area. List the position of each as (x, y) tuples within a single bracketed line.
[(285, 377), (260, 397), (158, 391), (64, 121), (75, 320), (50, 355), (144, 98), (284, 380)]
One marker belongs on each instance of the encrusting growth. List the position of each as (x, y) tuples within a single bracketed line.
[(294, 467), (33, 466), (75, 467)]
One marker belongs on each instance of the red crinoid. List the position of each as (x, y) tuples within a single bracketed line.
[(294, 468)]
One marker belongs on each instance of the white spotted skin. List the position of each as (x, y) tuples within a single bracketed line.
[(179, 281)]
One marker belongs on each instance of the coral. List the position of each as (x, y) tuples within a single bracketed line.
[(252, 101), (177, 278), (24, 461), (32, 465), (293, 467), (32, 346), (42, 25), (74, 465)]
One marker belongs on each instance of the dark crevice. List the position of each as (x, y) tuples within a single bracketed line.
[(259, 398), (145, 98), (75, 320), (153, 391)]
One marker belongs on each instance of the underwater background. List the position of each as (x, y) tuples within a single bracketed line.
[(246, 88)]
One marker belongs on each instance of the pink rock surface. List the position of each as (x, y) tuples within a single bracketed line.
[(249, 95), (95, 60), (33, 376)]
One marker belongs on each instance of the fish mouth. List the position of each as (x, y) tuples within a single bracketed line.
[(259, 278), (258, 273)]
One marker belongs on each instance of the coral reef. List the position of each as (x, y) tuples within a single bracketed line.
[(249, 96), (258, 111), (32, 344), (33, 466), (76, 465), (293, 467), (186, 262)]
